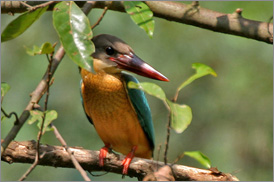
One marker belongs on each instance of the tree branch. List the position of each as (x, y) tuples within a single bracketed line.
[(195, 15), (35, 97), (56, 156), (42, 86)]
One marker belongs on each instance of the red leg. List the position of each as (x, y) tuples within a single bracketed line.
[(103, 154), (127, 160)]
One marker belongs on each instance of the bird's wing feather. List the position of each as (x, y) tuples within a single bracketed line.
[(81, 91), (139, 101)]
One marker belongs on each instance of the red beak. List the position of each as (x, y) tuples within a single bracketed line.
[(136, 65)]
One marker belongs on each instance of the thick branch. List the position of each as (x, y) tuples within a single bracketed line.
[(56, 156), (194, 15), (233, 23)]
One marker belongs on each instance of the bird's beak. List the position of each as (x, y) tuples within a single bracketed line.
[(136, 65)]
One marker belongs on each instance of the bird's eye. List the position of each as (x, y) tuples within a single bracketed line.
[(110, 51)]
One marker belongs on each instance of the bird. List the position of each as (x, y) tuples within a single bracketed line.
[(121, 116)]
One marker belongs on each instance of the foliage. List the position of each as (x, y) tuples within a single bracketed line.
[(75, 33), (48, 116), (45, 48), (141, 15), (181, 114), (21, 24), (4, 89), (200, 157)]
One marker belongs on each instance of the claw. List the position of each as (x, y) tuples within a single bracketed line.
[(127, 160), (103, 154)]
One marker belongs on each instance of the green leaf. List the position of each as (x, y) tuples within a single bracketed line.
[(201, 70), (46, 48), (141, 15), (3, 118), (50, 115), (149, 88), (35, 115), (181, 116), (21, 24), (4, 88), (75, 33), (200, 157)]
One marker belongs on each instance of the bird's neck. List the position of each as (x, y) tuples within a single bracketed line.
[(105, 77), (102, 80), (102, 66)]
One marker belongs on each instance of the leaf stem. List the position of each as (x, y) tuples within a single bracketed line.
[(9, 116)]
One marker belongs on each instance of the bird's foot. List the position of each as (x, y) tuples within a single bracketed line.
[(127, 160), (103, 154)]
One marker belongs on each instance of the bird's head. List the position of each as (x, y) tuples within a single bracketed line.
[(113, 55)]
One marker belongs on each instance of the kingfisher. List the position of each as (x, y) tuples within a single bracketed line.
[(121, 116)]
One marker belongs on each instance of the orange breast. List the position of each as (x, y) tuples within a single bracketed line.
[(106, 102)]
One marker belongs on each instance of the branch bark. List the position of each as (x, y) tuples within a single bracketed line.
[(56, 156), (233, 24)]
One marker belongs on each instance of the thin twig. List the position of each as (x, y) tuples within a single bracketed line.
[(175, 96), (178, 158), (168, 126), (167, 137), (40, 133), (43, 5), (32, 8), (159, 151), (101, 17), (35, 97), (10, 115), (27, 5), (38, 92), (73, 159)]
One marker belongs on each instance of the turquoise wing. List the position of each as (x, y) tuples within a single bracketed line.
[(90, 120), (139, 101)]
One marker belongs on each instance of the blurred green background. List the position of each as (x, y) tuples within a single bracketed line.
[(232, 113)]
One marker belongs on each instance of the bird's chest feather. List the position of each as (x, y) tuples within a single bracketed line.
[(106, 102), (105, 96)]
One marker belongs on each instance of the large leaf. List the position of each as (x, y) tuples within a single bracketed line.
[(141, 15), (21, 24), (200, 157), (46, 48), (181, 116), (201, 70), (75, 33), (149, 88)]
